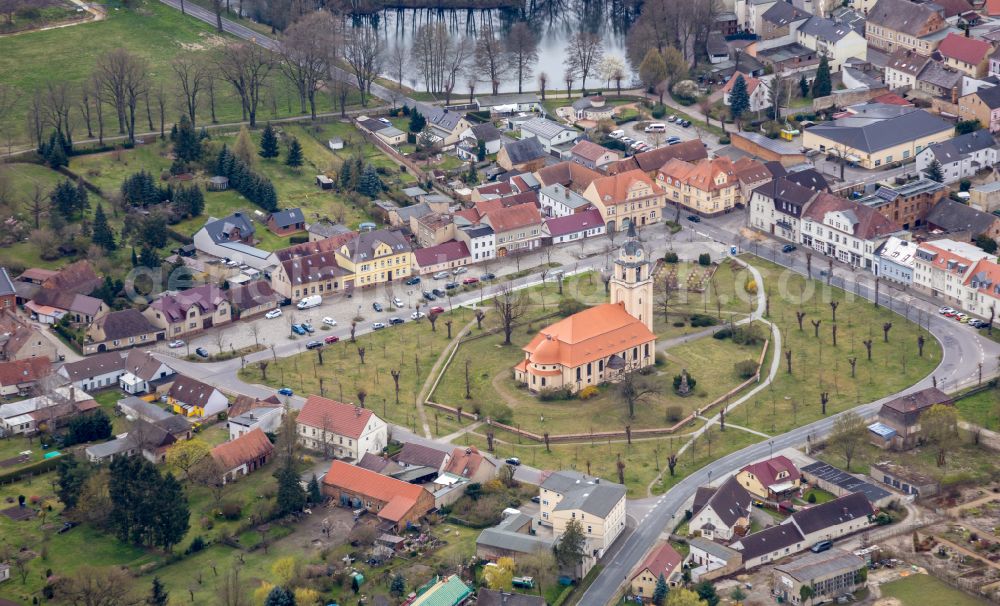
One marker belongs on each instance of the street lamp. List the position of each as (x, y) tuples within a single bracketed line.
[(770, 445)]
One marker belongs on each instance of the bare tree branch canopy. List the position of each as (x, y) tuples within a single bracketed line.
[(246, 66), (308, 48), (491, 56), (363, 53), (522, 48), (510, 306), (123, 78), (584, 53), (439, 57), (191, 77)]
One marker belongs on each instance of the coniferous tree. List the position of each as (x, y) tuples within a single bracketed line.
[(661, 591), (417, 122), (82, 197), (135, 257), (822, 85), (370, 184), (268, 142), (934, 172), (149, 258), (294, 158), (64, 199), (223, 162), (739, 98), (291, 497), (102, 234), (171, 522), (279, 596), (344, 177), (314, 493), (187, 145), (480, 150), (71, 478), (803, 86), (158, 595)]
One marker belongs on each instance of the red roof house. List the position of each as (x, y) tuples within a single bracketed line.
[(340, 430), (393, 501), (969, 55), (769, 479), (662, 561), (243, 455)]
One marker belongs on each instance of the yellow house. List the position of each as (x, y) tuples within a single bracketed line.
[(192, 398), (708, 187), (662, 561), (771, 479), (878, 135), (628, 197), (375, 257)]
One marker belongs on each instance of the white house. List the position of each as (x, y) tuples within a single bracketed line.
[(95, 372), (777, 206), (896, 258), (749, 13), (345, 431), (725, 511), (940, 268), (480, 239), (838, 41), (848, 231), (758, 89), (578, 226), (265, 418), (961, 157), (557, 200), (549, 133), (232, 238), (142, 371), (833, 519)]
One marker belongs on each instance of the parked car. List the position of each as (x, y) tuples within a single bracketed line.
[(976, 323), (429, 295), (441, 275), (377, 306), (67, 526), (787, 248), (673, 139), (451, 286), (694, 218), (459, 271), (616, 134), (394, 321), (437, 309), (821, 546), (438, 293), (468, 281), (513, 461), (329, 321), (487, 277), (298, 329), (671, 118), (378, 325), (310, 301), (331, 339), (285, 391), (202, 352), (314, 344), (176, 344), (417, 315), (274, 313), (536, 499), (397, 302), (308, 327), (412, 281), (655, 127), (946, 310), (385, 121), (686, 124)]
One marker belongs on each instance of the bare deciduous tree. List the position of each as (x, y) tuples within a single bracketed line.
[(848, 436), (246, 66), (510, 306), (192, 76), (491, 57), (308, 50), (583, 54), (522, 48), (123, 78), (363, 53)]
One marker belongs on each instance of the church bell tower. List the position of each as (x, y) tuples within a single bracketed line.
[(632, 282)]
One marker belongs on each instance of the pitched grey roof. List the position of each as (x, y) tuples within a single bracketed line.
[(844, 480), (92, 366), (938, 74), (287, 217), (850, 17), (789, 197), (125, 323), (220, 230), (768, 540), (950, 215), (730, 502), (588, 494), (883, 133), (420, 455), (442, 118), (505, 536), (819, 565), (809, 178), (716, 44), (907, 62), (486, 132), (957, 148), (6, 285), (901, 16), (825, 29), (327, 229), (542, 127), (838, 511), (990, 96), (524, 150), (712, 548), (363, 247), (783, 13)]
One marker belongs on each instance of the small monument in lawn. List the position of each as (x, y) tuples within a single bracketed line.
[(684, 389)]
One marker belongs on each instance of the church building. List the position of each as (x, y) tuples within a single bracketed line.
[(599, 344)]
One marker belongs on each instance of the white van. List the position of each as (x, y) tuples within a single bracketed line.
[(656, 127), (309, 302), (616, 134)]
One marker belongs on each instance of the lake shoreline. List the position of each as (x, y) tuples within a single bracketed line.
[(370, 7)]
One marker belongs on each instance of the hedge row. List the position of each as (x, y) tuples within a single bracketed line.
[(34, 469)]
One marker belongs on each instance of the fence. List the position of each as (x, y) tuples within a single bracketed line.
[(399, 158)]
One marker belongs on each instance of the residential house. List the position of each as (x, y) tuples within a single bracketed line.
[(192, 398), (776, 208), (8, 294), (515, 535), (593, 108), (52, 409), (232, 238), (557, 200), (787, 60), (550, 134), (252, 299), (446, 256), (78, 277), (770, 544), (448, 591), (151, 440), (961, 221), (757, 88), (135, 373), (970, 56), (432, 229), (845, 230), (903, 68), (663, 561), (266, 419), (592, 155), (286, 222), (878, 135), (598, 505), (571, 228), (417, 455), (940, 268), (120, 330), (781, 22), (905, 479), (982, 105), (18, 377), (907, 205), (190, 311), (828, 575), (480, 240), (838, 41), (135, 408), (81, 309), (386, 133), (469, 463), (994, 68), (750, 13), (961, 157), (324, 228), (834, 519), (397, 503), (751, 174), (345, 431), (709, 187), (508, 103), (243, 455), (650, 162), (708, 560), (895, 260), (310, 268), (985, 197), (726, 515), (22, 341), (772, 479), (571, 175), (375, 257), (471, 137), (444, 123), (524, 155), (901, 24), (940, 84), (493, 597), (898, 425), (716, 48), (517, 228), (627, 198), (981, 287)]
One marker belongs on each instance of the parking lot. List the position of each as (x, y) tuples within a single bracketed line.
[(634, 130)]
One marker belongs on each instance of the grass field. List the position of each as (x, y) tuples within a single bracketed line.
[(982, 409), (31, 60), (925, 590)]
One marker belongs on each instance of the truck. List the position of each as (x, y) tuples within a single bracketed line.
[(309, 302)]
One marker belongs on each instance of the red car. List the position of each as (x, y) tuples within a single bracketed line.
[(470, 281), (331, 339), (437, 310)]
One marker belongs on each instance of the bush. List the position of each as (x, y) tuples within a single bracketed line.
[(746, 368), (812, 497), (570, 306), (748, 334), (661, 358), (588, 392), (691, 382), (964, 185), (704, 259), (675, 413), (554, 394), (670, 257), (724, 140), (679, 324), (724, 333), (231, 510), (197, 544), (659, 110), (700, 320), (501, 413), (298, 239)]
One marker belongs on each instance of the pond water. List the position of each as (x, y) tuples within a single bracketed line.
[(554, 23)]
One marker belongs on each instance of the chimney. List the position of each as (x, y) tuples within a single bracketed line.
[(357, 411), (251, 415), (72, 393), (954, 94)]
